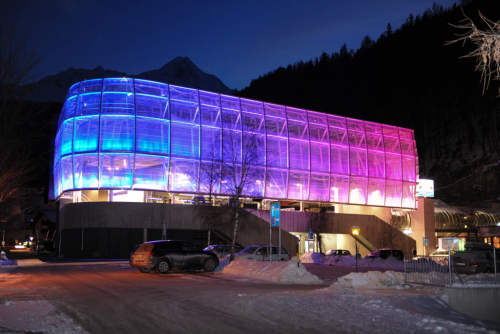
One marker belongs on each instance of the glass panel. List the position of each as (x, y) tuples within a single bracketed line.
[(253, 149), (86, 133), (118, 97), (252, 113), (184, 105), (357, 162), (318, 133), (393, 194), (376, 192), (336, 121), (231, 115), (393, 166), (276, 127), (152, 106), (209, 99), (276, 183), (339, 188), (117, 133), (373, 128), (376, 164), (274, 110), (299, 155), (230, 174), (390, 131), (57, 144), (374, 142), (392, 145), (145, 88), (185, 140), (150, 172), (152, 135), (298, 185), (210, 175), (184, 175), (409, 195), (319, 188), (298, 130), (296, 114), (408, 168), (231, 146), (88, 104), (57, 179), (355, 125), (407, 147), (277, 152), (339, 159), (90, 86), (86, 171), (338, 137), (211, 116), (254, 184), (405, 134), (67, 173), (320, 157), (357, 140), (357, 193), (317, 118), (67, 137), (211, 143), (73, 90), (116, 170)]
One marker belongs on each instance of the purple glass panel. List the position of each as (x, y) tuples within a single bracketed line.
[(339, 159), (151, 172), (231, 115), (230, 173), (210, 172), (393, 190), (209, 99), (57, 178), (376, 164), (374, 142), (373, 128), (390, 131), (152, 135), (252, 113), (276, 182), (231, 146), (298, 185), (405, 134), (357, 162), (409, 195), (320, 157), (408, 163), (211, 143), (277, 152), (299, 115), (299, 154), (407, 147), (357, 190), (393, 166), (318, 133), (339, 188), (184, 175), (357, 140), (376, 192), (317, 118), (274, 110), (254, 184), (355, 125), (319, 188)]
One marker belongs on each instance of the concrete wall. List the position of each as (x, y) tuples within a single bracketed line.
[(478, 302), (107, 226), (371, 228), (423, 225)]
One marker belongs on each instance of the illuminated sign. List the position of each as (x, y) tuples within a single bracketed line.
[(425, 188), (275, 214)]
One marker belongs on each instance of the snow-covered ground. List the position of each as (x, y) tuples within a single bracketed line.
[(390, 263)]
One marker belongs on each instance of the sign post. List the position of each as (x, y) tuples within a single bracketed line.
[(275, 221), (164, 230)]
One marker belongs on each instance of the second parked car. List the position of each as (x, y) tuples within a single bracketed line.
[(384, 253), (164, 255), (338, 252), (262, 253)]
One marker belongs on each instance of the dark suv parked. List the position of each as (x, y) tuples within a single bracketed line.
[(164, 255), (384, 253)]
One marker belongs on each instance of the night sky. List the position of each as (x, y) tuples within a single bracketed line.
[(235, 40)]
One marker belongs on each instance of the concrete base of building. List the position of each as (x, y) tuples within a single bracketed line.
[(480, 302)]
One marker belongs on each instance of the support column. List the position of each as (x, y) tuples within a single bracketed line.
[(423, 225)]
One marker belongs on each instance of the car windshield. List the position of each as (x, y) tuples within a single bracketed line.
[(249, 250)]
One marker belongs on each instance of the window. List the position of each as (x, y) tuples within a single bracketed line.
[(187, 247), (262, 251), (171, 247)]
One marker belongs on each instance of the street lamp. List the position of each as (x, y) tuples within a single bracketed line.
[(355, 233)]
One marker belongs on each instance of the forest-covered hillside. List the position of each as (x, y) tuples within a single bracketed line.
[(410, 78)]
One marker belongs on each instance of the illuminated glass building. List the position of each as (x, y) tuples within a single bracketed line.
[(130, 134)]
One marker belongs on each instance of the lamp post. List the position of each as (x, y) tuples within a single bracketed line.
[(355, 233), (31, 243)]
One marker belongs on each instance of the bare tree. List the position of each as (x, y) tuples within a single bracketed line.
[(391, 234), (487, 49), (17, 165), (240, 171), (210, 176)]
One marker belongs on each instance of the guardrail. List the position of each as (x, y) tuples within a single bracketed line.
[(422, 270)]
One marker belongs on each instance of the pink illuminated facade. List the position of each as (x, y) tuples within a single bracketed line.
[(132, 134)]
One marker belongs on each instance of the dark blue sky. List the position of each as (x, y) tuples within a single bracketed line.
[(235, 40)]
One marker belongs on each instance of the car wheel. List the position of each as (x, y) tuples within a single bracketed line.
[(144, 270), (163, 267), (209, 265)]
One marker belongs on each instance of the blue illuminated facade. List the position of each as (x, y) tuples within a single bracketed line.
[(131, 134)]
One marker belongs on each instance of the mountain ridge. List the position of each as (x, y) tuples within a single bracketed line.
[(179, 71)]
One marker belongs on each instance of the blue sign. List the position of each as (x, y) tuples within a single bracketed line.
[(275, 214), (311, 234)]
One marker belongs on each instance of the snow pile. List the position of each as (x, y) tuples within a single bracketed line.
[(312, 257), (374, 262), (372, 280), (283, 272), (222, 265)]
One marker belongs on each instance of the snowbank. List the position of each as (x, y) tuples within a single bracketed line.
[(283, 272), (349, 260), (312, 258), (372, 280)]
